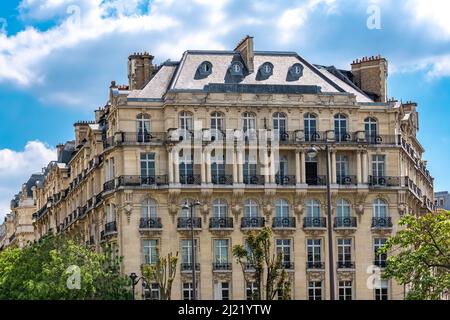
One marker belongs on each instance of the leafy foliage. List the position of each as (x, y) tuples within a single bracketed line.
[(162, 272), (42, 271), (420, 255), (259, 255)]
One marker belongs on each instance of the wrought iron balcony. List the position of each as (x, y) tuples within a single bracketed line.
[(98, 198), (150, 223), (222, 179), (110, 228), (249, 267), (380, 263), (345, 222), (316, 181), (288, 265), (190, 179), (187, 266), (252, 222), (142, 181), (254, 179), (314, 223), (287, 222), (221, 223), (315, 265), (346, 265), (382, 222), (346, 180), (221, 266), (109, 185), (384, 181), (185, 223), (285, 180)]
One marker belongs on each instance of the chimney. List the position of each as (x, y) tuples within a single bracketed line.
[(370, 75), (81, 131), (59, 149), (245, 48), (140, 70)]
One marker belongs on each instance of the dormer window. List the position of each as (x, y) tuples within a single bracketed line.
[(236, 68), (296, 71), (205, 68), (266, 69)]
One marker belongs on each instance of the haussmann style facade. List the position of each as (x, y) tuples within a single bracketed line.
[(234, 130)]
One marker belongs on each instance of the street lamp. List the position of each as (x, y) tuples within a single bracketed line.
[(312, 152), (190, 207), (135, 280)]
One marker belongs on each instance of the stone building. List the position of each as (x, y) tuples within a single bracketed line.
[(442, 200), (235, 130)]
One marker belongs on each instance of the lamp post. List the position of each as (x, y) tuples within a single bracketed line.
[(312, 153), (134, 282), (190, 207)]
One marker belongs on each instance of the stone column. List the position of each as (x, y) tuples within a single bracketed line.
[(297, 167), (208, 167), (303, 166), (358, 167), (365, 171), (272, 168), (333, 167), (170, 166)]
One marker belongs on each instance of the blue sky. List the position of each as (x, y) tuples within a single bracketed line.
[(58, 57)]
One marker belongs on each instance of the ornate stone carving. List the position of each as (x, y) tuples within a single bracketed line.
[(315, 275)]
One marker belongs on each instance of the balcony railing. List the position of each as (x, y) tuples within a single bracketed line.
[(314, 223), (142, 181), (221, 223), (381, 222), (346, 180), (150, 223), (285, 180), (121, 138), (288, 265), (190, 179), (316, 181), (345, 222), (187, 266), (252, 222), (346, 265), (110, 228), (254, 179), (221, 266), (384, 181), (98, 198), (109, 185), (315, 265), (222, 179), (185, 223), (286, 222)]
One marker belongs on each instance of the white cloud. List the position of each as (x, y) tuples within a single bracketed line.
[(17, 166), (432, 15)]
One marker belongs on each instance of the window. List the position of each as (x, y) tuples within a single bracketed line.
[(152, 292), (340, 127), (380, 258), (219, 208), (281, 208), (186, 168), (381, 290), (251, 209), (314, 253), (147, 164), (282, 169), (110, 169), (343, 209), (345, 290), (284, 246), (186, 124), (345, 253), (217, 121), (205, 68), (188, 293), (441, 202), (185, 213), (249, 167), (312, 209), (248, 121), (251, 290), (378, 167), (315, 290), (236, 68), (110, 213), (296, 71), (279, 123), (222, 291), (380, 209), (186, 251), (143, 127), (370, 128), (266, 69), (310, 124), (221, 251), (217, 167), (150, 251), (341, 168), (149, 209)]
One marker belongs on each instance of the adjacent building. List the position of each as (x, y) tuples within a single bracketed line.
[(244, 133), (442, 200)]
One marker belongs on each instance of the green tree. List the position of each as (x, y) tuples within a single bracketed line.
[(162, 272), (44, 269), (259, 254), (419, 255)]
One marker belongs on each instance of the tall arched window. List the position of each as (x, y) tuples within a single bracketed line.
[(312, 209), (248, 121), (343, 209), (186, 167), (110, 213), (310, 123), (371, 129), (279, 123), (149, 209), (220, 208), (341, 168), (217, 167), (251, 209), (185, 213), (143, 127), (282, 172), (340, 127), (185, 124), (281, 208), (380, 209)]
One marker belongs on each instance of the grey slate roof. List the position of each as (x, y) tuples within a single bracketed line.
[(67, 152)]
